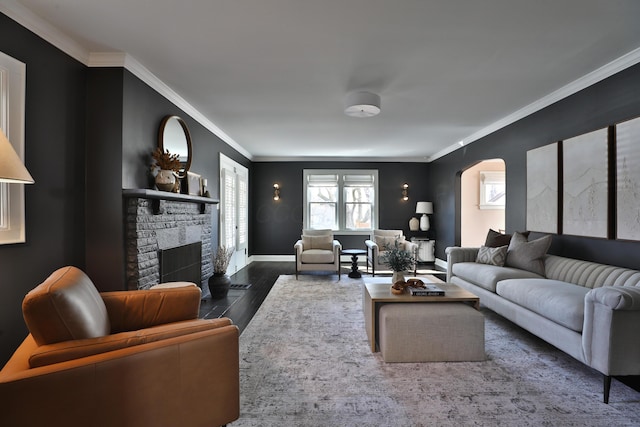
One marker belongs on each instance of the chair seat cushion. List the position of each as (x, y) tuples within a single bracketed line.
[(317, 256)]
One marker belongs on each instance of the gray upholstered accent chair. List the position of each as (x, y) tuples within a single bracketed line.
[(382, 239), (317, 250)]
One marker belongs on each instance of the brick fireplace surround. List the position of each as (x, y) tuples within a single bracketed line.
[(157, 220)]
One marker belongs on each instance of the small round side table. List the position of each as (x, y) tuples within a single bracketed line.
[(354, 273)]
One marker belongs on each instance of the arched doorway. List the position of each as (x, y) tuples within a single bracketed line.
[(482, 201)]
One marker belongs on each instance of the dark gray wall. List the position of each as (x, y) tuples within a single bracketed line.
[(124, 117), (606, 103), (54, 151), (277, 224)]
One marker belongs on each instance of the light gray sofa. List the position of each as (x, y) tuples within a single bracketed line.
[(590, 311)]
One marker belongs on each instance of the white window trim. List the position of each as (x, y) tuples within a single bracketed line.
[(341, 203), (487, 178), (12, 102)]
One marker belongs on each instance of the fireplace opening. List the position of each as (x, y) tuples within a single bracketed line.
[(182, 264)]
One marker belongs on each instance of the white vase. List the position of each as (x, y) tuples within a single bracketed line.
[(414, 224), (398, 276), (165, 180)]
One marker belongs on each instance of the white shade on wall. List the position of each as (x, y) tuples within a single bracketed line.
[(11, 168)]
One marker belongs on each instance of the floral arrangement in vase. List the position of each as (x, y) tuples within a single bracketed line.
[(219, 283), (166, 166), (398, 260)]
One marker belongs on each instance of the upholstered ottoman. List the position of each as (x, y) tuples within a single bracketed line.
[(431, 332)]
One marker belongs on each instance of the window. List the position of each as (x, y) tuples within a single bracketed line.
[(12, 91), (340, 200), (492, 190)]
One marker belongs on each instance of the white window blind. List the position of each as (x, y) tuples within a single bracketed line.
[(340, 200)]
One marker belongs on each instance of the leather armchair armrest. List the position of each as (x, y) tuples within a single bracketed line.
[(337, 247), (133, 310), (158, 383), (75, 349), (370, 244), (298, 247)]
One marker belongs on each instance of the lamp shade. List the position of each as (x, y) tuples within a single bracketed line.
[(424, 207), (11, 168)]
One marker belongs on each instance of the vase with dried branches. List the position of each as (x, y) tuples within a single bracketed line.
[(219, 282)]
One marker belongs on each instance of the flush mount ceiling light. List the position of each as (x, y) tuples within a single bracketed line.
[(362, 104)]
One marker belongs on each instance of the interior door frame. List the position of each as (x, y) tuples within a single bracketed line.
[(240, 257)]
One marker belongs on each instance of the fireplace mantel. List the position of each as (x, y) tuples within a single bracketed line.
[(157, 196)]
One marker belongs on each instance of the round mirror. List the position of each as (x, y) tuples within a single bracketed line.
[(174, 136)]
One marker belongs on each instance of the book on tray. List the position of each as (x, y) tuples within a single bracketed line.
[(428, 291)]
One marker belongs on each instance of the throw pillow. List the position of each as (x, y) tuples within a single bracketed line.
[(527, 255), (492, 256), (495, 239), (317, 242)]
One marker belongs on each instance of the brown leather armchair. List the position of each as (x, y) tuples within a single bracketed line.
[(129, 358)]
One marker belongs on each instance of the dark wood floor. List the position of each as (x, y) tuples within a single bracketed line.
[(241, 305)]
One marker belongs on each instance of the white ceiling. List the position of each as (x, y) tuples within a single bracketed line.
[(272, 75)]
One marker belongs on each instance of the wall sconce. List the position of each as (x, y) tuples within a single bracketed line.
[(405, 191), (276, 192)]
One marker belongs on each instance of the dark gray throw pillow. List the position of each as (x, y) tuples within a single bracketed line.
[(496, 239), (527, 255)]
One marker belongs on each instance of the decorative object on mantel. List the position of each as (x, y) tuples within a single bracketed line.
[(398, 260), (219, 283), (414, 224), (166, 166), (193, 184)]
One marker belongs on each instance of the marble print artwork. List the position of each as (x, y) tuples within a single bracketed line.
[(585, 203), (542, 189), (305, 361), (628, 185)]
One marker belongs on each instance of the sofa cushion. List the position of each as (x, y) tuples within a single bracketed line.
[(492, 256), (487, 276), (317, 256), (527, 255), (560, 302), (66, 306)]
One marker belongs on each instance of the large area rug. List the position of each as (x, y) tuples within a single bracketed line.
[(305, 362)]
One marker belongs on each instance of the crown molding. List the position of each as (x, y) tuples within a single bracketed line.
[(51, 34), (622, 63), (43, 29), (342, 159)]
